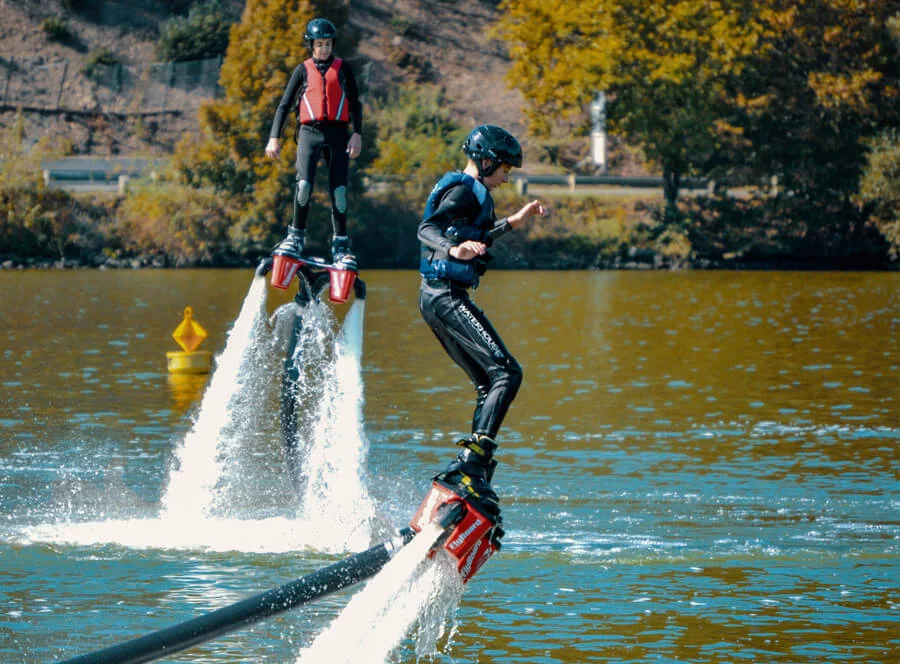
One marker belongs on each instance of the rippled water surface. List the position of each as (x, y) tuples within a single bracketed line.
[(700, 467)]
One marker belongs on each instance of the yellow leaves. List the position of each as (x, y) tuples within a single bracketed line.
[(392, 158), (269, 38), (669, 70), (781, 20), (724, 128), (185, 223), (757, 103), (833, 34), (836, 90), (558, 49)]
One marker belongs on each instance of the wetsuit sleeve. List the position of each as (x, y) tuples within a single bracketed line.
[(353, 97), (289, 99), (500, 227), (457, 205)]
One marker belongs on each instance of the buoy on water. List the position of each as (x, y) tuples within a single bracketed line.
[(189, 334)]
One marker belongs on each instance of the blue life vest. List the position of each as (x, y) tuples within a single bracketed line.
[(449, 268)]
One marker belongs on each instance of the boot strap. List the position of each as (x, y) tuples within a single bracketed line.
[(470, 468), (480, 445)]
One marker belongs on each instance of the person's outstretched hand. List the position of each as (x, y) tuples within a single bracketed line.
[(534, 208)]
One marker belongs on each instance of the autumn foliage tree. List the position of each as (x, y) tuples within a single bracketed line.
[(811, 101), (38, 223), (668, 69), (880, 188), (791, 89)]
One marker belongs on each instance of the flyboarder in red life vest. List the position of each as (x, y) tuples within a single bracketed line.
[(323, 93)]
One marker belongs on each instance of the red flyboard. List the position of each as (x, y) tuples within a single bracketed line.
[(473, 539)]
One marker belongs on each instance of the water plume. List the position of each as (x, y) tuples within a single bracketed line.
[(191, 490), (412, 591)]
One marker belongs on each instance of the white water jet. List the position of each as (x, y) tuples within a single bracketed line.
[(191, 491), (411, 590), (337, 447), (212, 500)]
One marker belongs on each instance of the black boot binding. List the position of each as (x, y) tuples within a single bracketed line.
[(340, 252), (292, 244), (472, 471)]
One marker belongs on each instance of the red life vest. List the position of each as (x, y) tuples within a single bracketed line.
[(325, 98)]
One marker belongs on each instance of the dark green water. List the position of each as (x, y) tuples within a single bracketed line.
[(700, 467)]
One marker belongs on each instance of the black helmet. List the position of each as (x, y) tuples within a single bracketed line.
[(493, 143), (319, 28)]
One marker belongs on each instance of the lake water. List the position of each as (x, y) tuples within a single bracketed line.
[(700, 467)]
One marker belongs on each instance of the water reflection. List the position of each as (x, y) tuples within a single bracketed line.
[(186, 390), (700, 467)]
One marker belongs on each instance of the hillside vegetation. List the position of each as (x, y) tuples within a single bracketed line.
[(796, 104), (396, 41)]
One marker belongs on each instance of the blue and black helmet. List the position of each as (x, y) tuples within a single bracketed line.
[(319, 28), (494, 144)]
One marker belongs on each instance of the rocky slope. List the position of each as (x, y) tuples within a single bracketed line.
[(441, 41)]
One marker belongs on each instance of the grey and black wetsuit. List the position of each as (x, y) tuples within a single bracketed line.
[(461, 208), (316, 138)]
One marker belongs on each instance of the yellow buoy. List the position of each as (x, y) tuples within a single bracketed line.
[(189, 334)]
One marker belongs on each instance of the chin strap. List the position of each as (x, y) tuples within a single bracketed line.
[(490, 170)]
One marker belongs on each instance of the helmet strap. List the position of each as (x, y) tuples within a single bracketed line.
[(487, 171)]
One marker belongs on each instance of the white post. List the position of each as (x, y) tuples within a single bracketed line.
[(598, 131)]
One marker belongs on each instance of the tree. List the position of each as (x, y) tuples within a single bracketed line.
[(824, 83), (36, 222), (668, 70), (416, 140), (202, 34), (880, 188)]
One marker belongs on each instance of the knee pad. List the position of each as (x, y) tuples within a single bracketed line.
[(516, 374), (340, 199), (511, 376), (304, 189)]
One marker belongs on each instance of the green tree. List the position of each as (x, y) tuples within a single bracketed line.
[(668, 70), (880, 188), (203, 33), (417, 139)]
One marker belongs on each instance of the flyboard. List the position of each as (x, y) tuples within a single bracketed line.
[(314, 276), (467, 532)]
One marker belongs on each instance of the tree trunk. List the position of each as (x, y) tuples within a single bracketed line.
[(671, 185)]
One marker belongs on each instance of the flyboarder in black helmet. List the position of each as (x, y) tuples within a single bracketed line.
[(323, 93), (319, 28), (458, 226), (494, 145)]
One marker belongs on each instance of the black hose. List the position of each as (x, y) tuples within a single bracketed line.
[(189, 633)]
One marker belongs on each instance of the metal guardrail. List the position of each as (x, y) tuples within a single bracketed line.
[(113, 173), (573, 181), (98, 173)]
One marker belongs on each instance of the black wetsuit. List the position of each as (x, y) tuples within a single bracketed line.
[(318, 137), (462, 328)]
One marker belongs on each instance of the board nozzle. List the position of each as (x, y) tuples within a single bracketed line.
[(340, 280), (285, 264), (472, 536)]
